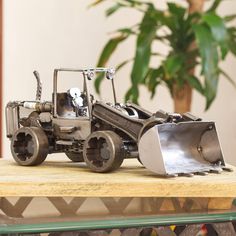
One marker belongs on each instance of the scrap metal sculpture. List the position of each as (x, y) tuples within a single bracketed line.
[(103, 134)]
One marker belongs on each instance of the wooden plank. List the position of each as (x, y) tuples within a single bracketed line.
[(64, 178)]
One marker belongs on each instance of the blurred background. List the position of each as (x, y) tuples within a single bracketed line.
[(46, 34)]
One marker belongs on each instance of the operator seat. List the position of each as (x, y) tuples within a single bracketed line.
[(64, 105), (72, 103)]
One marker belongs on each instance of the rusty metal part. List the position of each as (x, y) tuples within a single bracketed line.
[(29, 146), (33, 120), (190, 117), (71, 129), (13, 119), (131, 126), (75, 156), (39, 86), (103, 151)]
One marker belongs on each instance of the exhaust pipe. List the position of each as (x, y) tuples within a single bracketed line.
[(39, 86)]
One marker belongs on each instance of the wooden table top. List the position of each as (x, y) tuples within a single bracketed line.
[(64, 178)]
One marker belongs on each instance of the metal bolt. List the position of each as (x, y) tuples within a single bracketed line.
[(210, 127), (199, 148)]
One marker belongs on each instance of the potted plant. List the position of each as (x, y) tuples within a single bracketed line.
[(193, 37)]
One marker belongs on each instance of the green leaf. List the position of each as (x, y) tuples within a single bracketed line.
[(229, 18), (134, 3), (126, 31), (145, 38), (98, 81), (132, 94), (179, 24), (195, 83), (219, 31), (107, 51), (232, 30), (154, 79), (232, 40), (209, 60), (228, 78), (217, 26), (176, 10), (232, 46), (122, 64), (96, 3), (215, 5), (172, 65), (113, 9)]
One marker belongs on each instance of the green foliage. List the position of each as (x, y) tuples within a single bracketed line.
[(105, 56), (209, 59), (147, 33), (218, 31), (202, 39)]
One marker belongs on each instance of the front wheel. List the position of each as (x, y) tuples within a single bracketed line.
[(103, 151), (29, 146)]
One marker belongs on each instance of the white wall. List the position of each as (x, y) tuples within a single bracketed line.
[(45, 34)]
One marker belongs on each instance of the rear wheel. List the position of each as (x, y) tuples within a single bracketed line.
[(75, 156), (29, 146), (103, 151)]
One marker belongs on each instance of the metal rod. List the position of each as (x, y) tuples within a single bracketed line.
[(88, 96), (55, 92), (114, 91), (99, 69)]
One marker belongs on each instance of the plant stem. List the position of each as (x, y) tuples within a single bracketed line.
[(183, 96), (195, 5)]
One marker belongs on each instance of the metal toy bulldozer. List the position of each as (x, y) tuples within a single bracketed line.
[(103, 134)]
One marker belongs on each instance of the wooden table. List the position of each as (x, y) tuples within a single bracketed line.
[(62, 191), (64, 178)]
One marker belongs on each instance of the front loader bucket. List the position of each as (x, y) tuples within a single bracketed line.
[(181, 148)]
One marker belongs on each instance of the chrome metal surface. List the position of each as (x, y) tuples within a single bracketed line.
[(12, 118), (187, 147)]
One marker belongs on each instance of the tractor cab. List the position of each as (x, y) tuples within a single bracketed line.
[(72, 109), (77, 102)]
